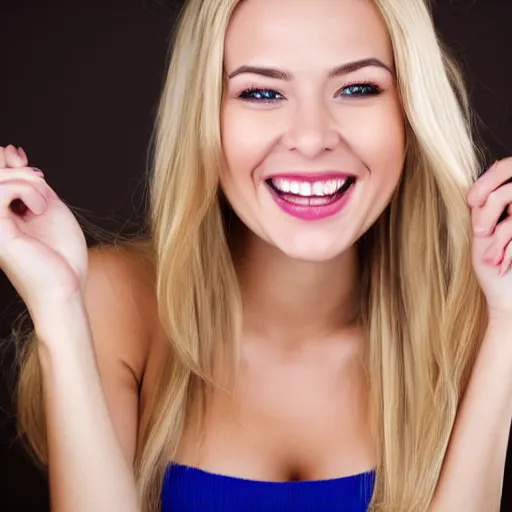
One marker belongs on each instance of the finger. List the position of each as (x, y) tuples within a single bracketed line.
[(23, 155), (12, 157), (30, 194), (2, 158), (500, 240), (485, 218), (497, 174), (507, 260), (31, 173)]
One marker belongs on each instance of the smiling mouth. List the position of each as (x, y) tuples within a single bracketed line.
[(311, 193)]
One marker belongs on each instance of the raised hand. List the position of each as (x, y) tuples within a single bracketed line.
[(490, 200), (42, 247)]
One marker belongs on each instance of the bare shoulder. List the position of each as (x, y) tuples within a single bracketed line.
[(121, 300)]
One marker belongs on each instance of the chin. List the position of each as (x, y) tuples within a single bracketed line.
[(317, 248)]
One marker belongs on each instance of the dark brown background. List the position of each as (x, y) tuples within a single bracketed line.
[(79, 83)]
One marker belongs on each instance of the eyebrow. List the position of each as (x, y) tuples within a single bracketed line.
[(344, 69)]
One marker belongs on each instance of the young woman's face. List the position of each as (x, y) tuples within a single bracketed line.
[(312, 127)]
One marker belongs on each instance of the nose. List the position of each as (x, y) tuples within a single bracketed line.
[(311, 130)]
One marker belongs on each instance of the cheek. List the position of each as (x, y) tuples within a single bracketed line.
[(379, 143), (245, 144), (246, 140)]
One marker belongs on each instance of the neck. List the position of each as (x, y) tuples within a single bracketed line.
[(290, 301)]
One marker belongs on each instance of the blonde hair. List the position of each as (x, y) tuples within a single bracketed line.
[(423, 311)]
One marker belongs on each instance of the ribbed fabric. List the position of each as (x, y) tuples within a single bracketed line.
[(188, 489)]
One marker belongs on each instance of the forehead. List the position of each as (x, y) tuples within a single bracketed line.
[(306, 33)]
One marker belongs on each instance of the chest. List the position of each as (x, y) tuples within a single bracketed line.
[(285, 422)]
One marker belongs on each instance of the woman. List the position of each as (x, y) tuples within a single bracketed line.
[(308, 329)]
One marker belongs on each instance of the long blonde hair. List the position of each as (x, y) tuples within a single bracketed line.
[(423, 311)]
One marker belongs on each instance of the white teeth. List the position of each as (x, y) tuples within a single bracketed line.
[(294, 187), (318, 188), (305, 189), (308, 189)]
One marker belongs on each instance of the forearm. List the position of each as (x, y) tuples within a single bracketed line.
[(472, 475), (87, 469)]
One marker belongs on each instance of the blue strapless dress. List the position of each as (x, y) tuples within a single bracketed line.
[(188, 489)]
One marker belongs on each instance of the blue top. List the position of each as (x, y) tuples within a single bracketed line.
[(188, 489)]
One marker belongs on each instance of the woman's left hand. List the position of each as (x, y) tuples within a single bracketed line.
[(489, 198)]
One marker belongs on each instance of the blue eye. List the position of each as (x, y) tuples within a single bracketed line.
[(360, 90), (269, 95), (261, 95)]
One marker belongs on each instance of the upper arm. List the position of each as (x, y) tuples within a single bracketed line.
[(122, 312)]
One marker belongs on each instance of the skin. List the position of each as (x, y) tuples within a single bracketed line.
[(300, 410), (300, 348), (315, 126)]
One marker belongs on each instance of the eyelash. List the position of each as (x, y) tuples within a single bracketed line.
[(245, 95)]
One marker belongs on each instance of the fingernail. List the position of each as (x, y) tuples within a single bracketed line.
[(21, 152), (38, 172)]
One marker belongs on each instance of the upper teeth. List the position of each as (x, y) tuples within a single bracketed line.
[(305, 188)]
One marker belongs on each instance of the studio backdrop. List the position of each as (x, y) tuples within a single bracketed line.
[(79, 85)]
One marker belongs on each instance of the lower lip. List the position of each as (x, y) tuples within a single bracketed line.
[(309, 213)]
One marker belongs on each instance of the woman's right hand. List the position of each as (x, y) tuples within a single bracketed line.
[(42, 247)]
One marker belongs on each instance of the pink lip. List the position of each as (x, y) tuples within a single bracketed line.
[(312, 177), (311, 213)]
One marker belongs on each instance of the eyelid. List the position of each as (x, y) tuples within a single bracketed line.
[(364, 83), (370, 83), (256, 87), (248, 90)]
